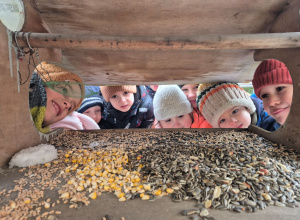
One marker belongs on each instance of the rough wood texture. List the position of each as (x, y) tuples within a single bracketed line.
[(136, 18), (202, 42), (17, 131), (163, 19)]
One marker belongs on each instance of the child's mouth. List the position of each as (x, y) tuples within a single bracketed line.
[(277, 111), (57, 108)]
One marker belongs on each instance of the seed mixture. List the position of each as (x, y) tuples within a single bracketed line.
[(237, 171)]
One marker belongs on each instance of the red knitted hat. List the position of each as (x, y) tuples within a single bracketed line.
[(270, 72)]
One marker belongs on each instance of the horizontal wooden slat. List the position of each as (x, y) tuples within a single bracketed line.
[(204, 42)]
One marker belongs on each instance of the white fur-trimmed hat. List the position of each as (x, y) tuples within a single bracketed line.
[(170, 101), (214, 100)]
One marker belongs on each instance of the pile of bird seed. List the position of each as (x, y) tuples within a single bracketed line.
[(237, 171)]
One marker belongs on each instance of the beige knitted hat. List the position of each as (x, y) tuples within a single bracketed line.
[(53, 75), (216, 99), (109, 91)]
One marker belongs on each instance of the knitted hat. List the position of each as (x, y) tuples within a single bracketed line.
[(38, 102), (215, 100), (203, 86), (170, 101), (93, 99), (52, 75), (108, 91), (270, 72)]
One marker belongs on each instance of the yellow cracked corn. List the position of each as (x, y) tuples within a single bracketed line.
[(101, 170)]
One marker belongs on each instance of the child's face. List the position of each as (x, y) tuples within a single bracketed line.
[(182, 121), (235, 117), (277, 100), (58, 106), (122, 101), (94, 113), (190, 90), (154, 87)]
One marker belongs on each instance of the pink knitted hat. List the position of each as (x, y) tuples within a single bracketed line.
[(270, 72)]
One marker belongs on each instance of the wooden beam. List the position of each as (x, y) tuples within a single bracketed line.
[(203, 42)]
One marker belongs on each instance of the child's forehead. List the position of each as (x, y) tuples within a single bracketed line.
[(120, 92)]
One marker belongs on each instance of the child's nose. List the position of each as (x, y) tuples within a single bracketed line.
[(191, 94), (233, 120), (274, 100), (123, 99), (176, 124), (67, 104)]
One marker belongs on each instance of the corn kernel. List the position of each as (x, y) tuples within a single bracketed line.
[(47, 164), (142, 195), (169, 190), (65, 195), (157, 192), (93, 195), (27, 200), (47, 205), (147, 186), (67, 155), (146, 197), (12, 204), (80, 188), (122, 199)]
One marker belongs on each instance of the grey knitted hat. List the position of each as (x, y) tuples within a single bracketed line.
[(170, 101), (216, 99)]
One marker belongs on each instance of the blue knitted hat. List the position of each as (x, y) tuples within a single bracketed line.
[(93, 99)]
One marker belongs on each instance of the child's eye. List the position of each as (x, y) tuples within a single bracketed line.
[(278, 89), (114, 96), (168, 120), (235, 111), (180, 116), (222, 121), (196, 88), (125, 93), (264, 96), (65, 91)]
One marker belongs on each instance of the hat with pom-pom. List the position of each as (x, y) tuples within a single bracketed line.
[(214, 100), (270, 72)]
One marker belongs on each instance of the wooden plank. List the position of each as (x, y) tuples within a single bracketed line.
[(202, 42)]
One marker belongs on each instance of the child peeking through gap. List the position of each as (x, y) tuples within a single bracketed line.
[(227, 105), (126, 107), (172, 109), (54, 93), (273, 84)]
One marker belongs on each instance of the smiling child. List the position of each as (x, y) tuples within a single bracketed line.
[(54, 93), (272, 83), (227, 105)]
